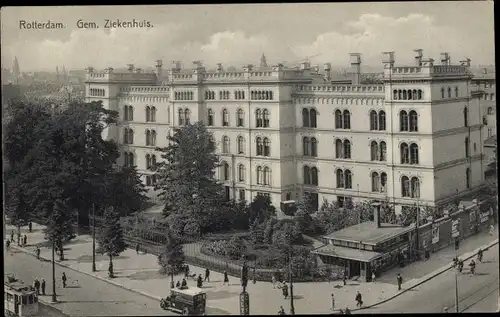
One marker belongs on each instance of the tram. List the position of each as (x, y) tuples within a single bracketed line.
[(20, 300)]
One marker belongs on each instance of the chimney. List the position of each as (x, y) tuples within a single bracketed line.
[(305, 66), (130, 67), (418, 57), (327, 68), (138, 70), (159, 64), (355, 67), (90, 69), (376, 214), (444, 58), (388, 59), (219, 67), (176, 66), (485, 71)]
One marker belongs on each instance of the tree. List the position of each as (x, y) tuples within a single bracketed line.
[(256, 232), (59, 227), (18, 213), (127, 193), (285, 233), (269, 230), (110, 239), (261, 208), (185, 177), (172, 259), (304, 221)]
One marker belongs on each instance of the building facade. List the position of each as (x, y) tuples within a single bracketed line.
[(284, 132)]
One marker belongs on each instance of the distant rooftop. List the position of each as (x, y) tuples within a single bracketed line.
[(491, 142), (368, 233)]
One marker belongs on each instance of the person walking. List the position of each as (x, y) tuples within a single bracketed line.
[(207, 274), (25, 240), (184, 284), (12, 236), (30, 226), (480, 255), (333, 302), (281, 311), (37, 286), (178, 284), (273, 280), (64, 279), (137, 248), (359, 299), (373, 276), (284, 288), (186, 271), (400, 281), (472, 267), (37, 251), (226, 278), (43, 286), (7, 245), (344, 279)]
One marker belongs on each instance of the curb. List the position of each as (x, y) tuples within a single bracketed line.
[(426, 278)]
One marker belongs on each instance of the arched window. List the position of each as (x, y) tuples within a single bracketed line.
[(225, 118), (266, 118), (241, 173), (305, 146), (314, 147), (153, 161), (130, 113), (348, 179), (340, 178), (260, 146), (405, 153), (148, 114), (347, 149), (220, 95), (148, 161), (413, 153), (338, 119), (131, 160), (381, 120), (125, 113), (267, 147), (374, 150), (168, 115), (305, 117), (148, 137), (383, 182), (400, 94), (153, 114), (225, 168), (467, 178), (338, 149), (420, 94), (410, 96), (186, 116), (449, 92), (210, 117), (415, 96), (131, 136), (373, 120), (466, 114), (125, 136), (383, 151), (395, 94), (405, 97), (125, 159), (259, 175), (375, 182), (347, 119), (225, 144), (467, 150), (241, 117), (181, 117), (312, 116), (307, 175), (405, 186), (271, 95), (456, 92), (241, 145), (267, 175), (258, 118), (413, 121), (266, 95), (314, 176), (403, 121), (415, 187), (442, 92), (490, 110)]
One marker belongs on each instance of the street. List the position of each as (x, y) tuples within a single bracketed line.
[(86, 297), (477, 293)]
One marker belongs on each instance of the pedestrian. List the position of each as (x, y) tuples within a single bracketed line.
[(400, 281), (43, 286), (273, 280), (333, 302), (12, 236), (178, 284), (37, 253), (373, 276), (284, 288), (7, 244), (30, 226), (480, 255), (226, 278), (281, 311), (347, 311), (186, 271), (344, 280), (359, 299), (207, 274), (472, 267), (37, 286), (25, 242), (199, 283), (137, 248), (64, 279), (184, 284)]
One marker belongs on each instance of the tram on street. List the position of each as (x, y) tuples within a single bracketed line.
[(20, 299)]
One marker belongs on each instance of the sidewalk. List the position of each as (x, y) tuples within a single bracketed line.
[(139, 273)]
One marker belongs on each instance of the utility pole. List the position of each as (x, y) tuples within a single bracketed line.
[(54, 296), (456, 279), (93, 239), (417, 240), (292, 307)]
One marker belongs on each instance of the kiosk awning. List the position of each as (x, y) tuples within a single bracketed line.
[(347, 253)]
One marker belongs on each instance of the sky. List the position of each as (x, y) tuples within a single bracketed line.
[(238, 34)]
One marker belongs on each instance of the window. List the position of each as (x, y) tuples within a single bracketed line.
[(210, 117), (241, 173), (467, 178), (128, 137), (314, 147), (338, 119), (381, 120), (267, 176), (225, 144), (374, 150), (312, 118), (128, 159), (148, 114), (181, 117), (128, 113), (403, 121), (307, 175), (413, 121), (225, 171), (258, 118), (266, 118), (259, 175), (405, 186), (338, 149), (395, 94), (375, 182), (383, 182), (225, 118), (490, 110), (305, 146), (242, 194), (314, 176), (449, 92), (467, 150), (348, 179), (405, 153), (456, 92), (305, 117), (267, 147), (347, 119), (241, 145), (153, 114), (186, 116), (347, 149), (466, 121), (340, 178), (415, 187), (442, 93), (148, 137), (240, 118), (413, 153), (260, 146), (373, 120), (310, 175), (420, 95)]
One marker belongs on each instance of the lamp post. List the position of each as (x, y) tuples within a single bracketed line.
[(292, 307), (244, 298), (456, 276), (93, 239), (54, 296)]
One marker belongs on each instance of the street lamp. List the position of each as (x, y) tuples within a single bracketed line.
[(292, 307), (54, 296), (456, 275), (244, 298)]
